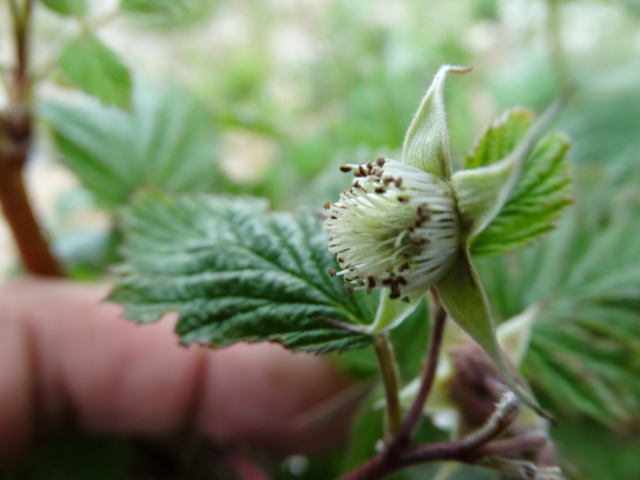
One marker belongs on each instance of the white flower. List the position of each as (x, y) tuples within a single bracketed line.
[(397, 227)]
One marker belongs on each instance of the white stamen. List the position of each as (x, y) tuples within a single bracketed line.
[(397, 228)]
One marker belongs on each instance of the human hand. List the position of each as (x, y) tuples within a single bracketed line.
[(65, 354)]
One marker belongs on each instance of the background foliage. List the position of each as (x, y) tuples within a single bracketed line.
[(266, 97)]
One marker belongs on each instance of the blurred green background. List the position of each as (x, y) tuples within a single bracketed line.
[(267, 97)]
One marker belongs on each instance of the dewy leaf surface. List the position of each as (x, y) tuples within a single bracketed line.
[(163, 143), (93, 67), (235, 272), (538, 198)]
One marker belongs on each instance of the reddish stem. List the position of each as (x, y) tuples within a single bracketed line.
[(415, 412), (15, 144)]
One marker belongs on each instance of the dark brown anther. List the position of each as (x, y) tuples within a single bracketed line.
[(345, 168), (333, 217), (380, 190), (404, 267), (369, 167), (398, 182), (348, 288), (403, 198), (394, 294), (402, 280), (423, 211), (332, 272), (387, 180), (380, 162), (405, 299), (326, 205), (371, 282)]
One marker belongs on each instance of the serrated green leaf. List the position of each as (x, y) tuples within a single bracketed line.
[(164, 143), (536, 201), (482, 192), (500, 138), (235, 272), (90, 65), (75, 8)]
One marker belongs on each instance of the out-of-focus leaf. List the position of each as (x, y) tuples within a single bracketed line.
[(167, 7), (164, 143), (235, 272), (539, 196), (585, 351), (172, 11), (76, 8), (589, 451), (94, 68)]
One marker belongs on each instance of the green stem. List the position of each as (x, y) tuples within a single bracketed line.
[(415, 412), (391, 382), (558, 53)]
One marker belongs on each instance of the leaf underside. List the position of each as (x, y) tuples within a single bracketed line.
[(235, 272), (539, 197)]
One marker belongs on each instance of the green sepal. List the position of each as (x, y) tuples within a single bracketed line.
[(426, 144), (465, 301), (392, 312), (482, 192)]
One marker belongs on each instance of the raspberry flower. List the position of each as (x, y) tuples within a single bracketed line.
[(396, 227), (405, 226)]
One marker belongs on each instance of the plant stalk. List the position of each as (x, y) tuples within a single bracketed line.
[(15, 143), (390, 379), (414, 414)]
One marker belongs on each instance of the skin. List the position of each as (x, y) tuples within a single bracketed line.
[(67, 357)]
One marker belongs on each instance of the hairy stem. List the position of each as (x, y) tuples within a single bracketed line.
[(390, 379)]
